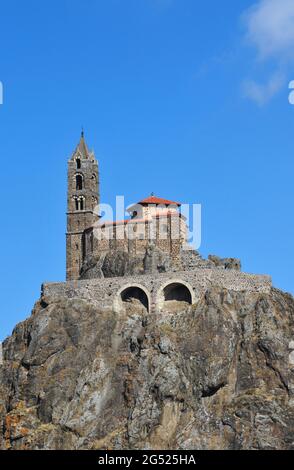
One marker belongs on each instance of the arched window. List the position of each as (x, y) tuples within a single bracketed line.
[(78, 162), (178, 292), (79, 203), (79, 182), (94, 177)]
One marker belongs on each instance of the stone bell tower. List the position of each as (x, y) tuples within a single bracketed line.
[(82, 199)]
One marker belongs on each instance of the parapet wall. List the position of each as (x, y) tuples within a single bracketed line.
[(105, 292)]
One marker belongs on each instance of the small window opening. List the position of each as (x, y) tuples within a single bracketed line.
[(79, 182)]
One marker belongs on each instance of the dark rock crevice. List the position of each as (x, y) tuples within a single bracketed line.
[(211, 390)]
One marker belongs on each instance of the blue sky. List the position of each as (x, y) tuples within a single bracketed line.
[(185, 98)]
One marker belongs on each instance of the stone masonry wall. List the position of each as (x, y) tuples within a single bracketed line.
[(106, 292)]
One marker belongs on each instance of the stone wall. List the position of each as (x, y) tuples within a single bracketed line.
[(167, 233), (106, 292)]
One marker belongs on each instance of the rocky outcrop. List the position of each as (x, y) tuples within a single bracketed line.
[(156, 260), (119, 263), (225, 263), (92, 268), (116, 263), (215, 375)]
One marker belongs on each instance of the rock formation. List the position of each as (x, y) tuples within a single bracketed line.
[(225, 263), (214, 375), (147, 345)]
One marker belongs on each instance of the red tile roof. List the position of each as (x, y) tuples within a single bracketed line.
[(158, 200)]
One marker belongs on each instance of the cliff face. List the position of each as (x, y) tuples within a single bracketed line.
[(216, 375)]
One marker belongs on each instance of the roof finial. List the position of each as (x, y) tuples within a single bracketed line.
[(152, 194), (82, 132)]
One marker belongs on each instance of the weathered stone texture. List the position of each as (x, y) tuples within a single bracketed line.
[(82, 199), (104, 292), (214, 375), (225, 263), (151, 259)]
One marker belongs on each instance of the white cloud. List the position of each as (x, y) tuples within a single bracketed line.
[(261, 93), (270, 28)]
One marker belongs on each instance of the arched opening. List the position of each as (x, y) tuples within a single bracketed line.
[(78, 162), (82, 203), (94, 202), (134, 298), (177, 292), (175, 295), (79, 182), (79, 203)]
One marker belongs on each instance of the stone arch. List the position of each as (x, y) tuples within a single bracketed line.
[(79, 178), (132, 291), (175, 289)]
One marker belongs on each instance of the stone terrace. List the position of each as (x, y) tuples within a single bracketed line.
[(106, 292)]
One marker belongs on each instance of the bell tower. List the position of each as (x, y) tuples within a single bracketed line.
[(82, 199)]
